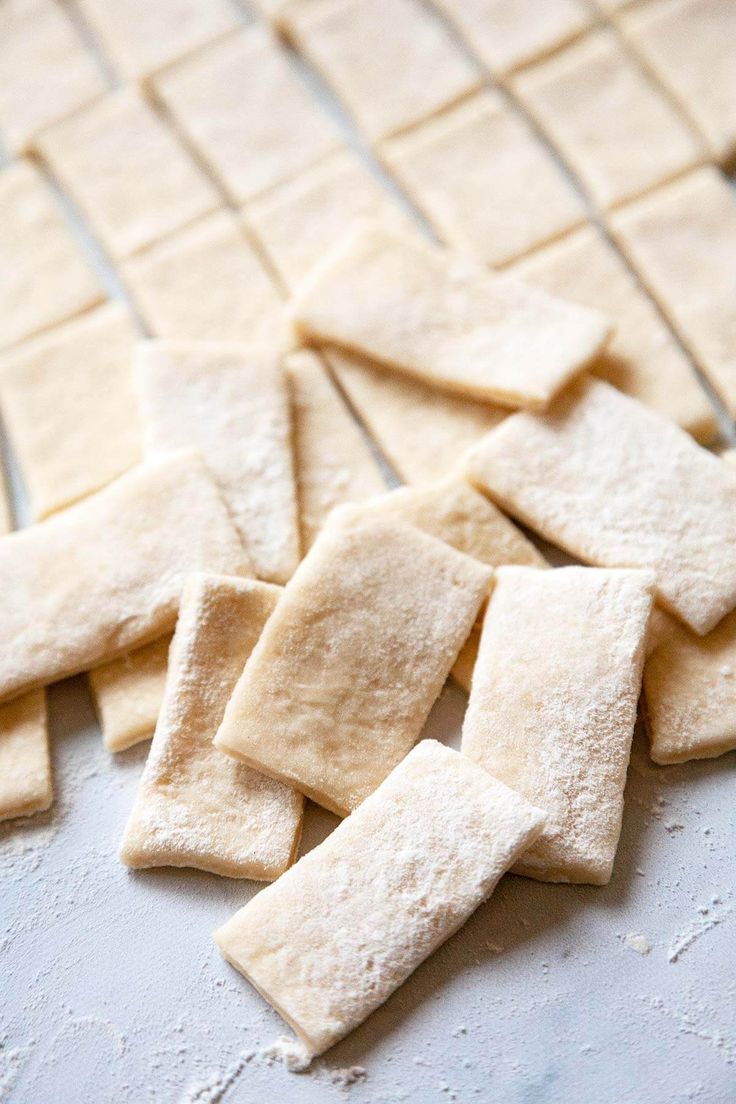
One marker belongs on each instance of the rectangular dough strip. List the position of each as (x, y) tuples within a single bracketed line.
[(127, 694), (25, 766)]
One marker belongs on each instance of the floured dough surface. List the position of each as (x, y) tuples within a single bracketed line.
[(486, 182), (553, 705), (232, 403), (104, 576), (25, 767), (196, 806), (69, 409), (341, 682), (618, 485), (339, 932), (435, 315), (127, 694)]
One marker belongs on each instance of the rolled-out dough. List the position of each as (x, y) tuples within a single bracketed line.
[(25, 767), (127, 694)]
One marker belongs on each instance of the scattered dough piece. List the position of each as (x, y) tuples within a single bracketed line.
[(643, 359), (127, 172), (392, 62), (682, 242), (105, 576), (442, 318), (334, 462), (25, 767), (206, 283), (247, 112), (339, 932), (553, 706), (44, 279), (232, 403), (69, 409), (47, 72), (144, 36), (488, 185), (342, 680), (127, 694), (619, 132), (196, 806), (618, 485)]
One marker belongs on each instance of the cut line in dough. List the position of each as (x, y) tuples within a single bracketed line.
[(127, 694), (25, 766)]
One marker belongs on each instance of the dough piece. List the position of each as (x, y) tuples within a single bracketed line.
[(423, 432), (643, 359), (334, 462), (553, 706), (391, 62), (47, 72), (206, 283), (232, 403), (69, 409), (247, 112), (690, 46), (127, 694), (617, 130), (44, 279), (337, 934), (682, 241), (127, 172), (144, 36), (618, 485), (485, 181), (297, 222), (195, 806), (343, 678), (439, 317), (25, 766), (105, 576)]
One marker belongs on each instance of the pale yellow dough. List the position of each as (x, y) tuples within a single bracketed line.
[(127, 694), (618, 485), (105, 576), (195, 806), (341, 682), (440, 317), (339, 932), (69, 409), (553, 706), (25, 767), (232, 403)]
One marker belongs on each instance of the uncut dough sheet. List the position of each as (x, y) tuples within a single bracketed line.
[(127, 694), (339, 686), (105, 576), (619, 485), (437, 316), (195, 806), (232, 403), (25, 766), (330, 941), (553, 706)]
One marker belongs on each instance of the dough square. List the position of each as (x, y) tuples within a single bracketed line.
[(486, 183), (334, 462), (69, 409), (553, 706), (25, 766), (127, 172), (682, 241), (143, 36), (332, 939), (339, 686), (610, 121), (196, 807), (44, 278), (232, 403), (127, 694), (206, 283), (391, 62), (47, 71), (643, 359), (245, 109)]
